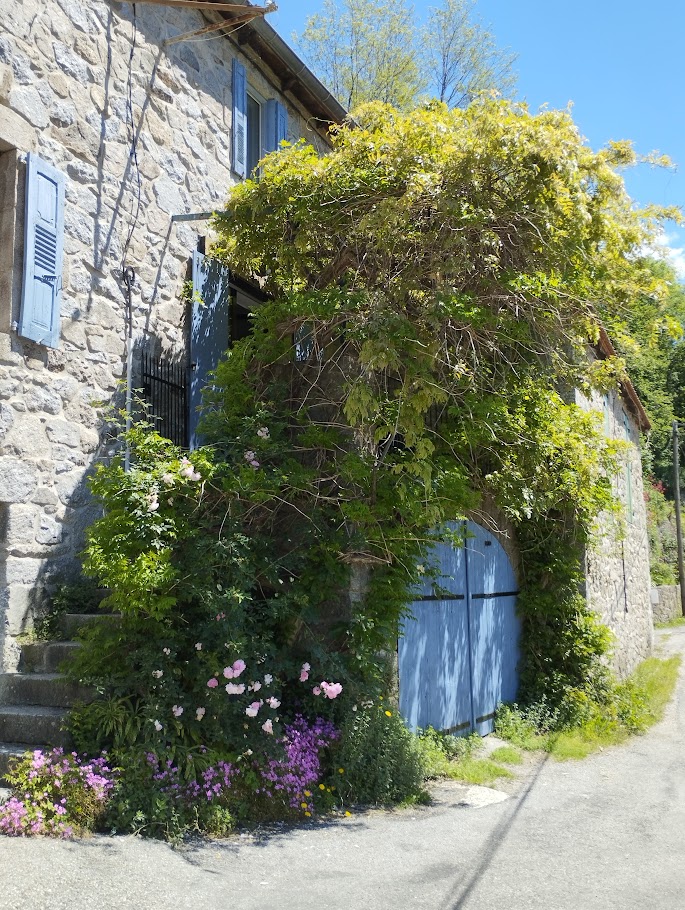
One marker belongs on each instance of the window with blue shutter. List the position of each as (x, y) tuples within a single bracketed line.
[(239, 122), (276, 125), (39, 318)]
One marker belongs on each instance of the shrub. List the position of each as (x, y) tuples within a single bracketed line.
[(62, 795), (378, 759)]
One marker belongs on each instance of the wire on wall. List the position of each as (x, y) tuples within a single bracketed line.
[(127, 272)]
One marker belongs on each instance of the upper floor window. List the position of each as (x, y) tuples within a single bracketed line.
[(258, 125)]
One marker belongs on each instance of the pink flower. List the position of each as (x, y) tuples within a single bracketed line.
[(228, 672), (255, 686), (167, 651), (212, 683), (198, 645), (235, 688), (263, 433), (273, 703), (254, 463), (199, 713), (158, 726), (316, 690), (177, 710), (268, 679), (253, 709), (195, 476), (304, 674), (331, 690), (249, 455), (168, 479), (268, 726), (238, 667)]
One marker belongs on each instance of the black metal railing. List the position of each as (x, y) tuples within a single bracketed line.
[(165, 388)]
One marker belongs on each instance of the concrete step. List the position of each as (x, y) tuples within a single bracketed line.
[(46, 656), (48, 689), (37, 725), (71, 623)]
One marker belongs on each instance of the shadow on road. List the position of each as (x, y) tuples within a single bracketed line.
[(460, 894)]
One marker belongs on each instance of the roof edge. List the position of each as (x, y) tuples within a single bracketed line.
[(606, 347)]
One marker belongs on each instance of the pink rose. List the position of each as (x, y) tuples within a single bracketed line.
[(316, 690), (238, 667), (212, 683)]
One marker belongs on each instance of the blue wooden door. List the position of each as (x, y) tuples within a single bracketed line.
[(459, 648), (209, 330)]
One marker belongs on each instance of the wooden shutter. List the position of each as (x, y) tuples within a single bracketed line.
[(39, 318), (209, 330), (276, 124), (239, 122)]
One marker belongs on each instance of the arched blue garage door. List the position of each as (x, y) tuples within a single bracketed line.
[(459, 648)]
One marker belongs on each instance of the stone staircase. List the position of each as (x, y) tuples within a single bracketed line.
[(35, 699)]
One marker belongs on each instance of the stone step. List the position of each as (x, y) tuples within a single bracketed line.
[(70, 623), (34, 724), (47, 689), (46, 656)]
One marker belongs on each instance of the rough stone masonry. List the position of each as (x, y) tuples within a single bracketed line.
[(79, 81)]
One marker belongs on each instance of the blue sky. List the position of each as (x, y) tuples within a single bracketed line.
[(619, 62)]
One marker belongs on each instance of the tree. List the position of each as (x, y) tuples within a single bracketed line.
[(461, 56), (375, 50)]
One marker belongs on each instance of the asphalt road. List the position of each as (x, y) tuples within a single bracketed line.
[(608, 832)]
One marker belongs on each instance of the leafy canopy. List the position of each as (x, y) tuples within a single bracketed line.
[(375, 50)]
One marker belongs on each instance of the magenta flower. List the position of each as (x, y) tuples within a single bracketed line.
[(212, 683)]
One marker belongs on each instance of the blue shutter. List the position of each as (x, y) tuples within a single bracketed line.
[(239, 122), (39, 318), (209, 330), (276, 125)]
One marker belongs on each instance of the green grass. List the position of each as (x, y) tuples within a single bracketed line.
[(477, 771), (671, 624), (637, 705), (510, 755)]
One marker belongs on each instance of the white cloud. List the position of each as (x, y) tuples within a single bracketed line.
[(667, 247)]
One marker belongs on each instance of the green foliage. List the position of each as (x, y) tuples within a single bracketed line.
[(379, 757), (661, 530), (585, 723), (374, 50), (55, 794), (80, 596), (507, 754)]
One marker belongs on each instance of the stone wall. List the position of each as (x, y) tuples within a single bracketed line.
[(666, 603), (617, 583), (66, 71)]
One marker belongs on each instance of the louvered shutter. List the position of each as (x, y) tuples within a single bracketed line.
[(39, 318), (239, 123), (209, 330), (276, 124)]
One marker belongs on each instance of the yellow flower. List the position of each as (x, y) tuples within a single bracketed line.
[(307, 793), (388, 713), (304, 805), (321, 787), (341, 770), (308, 814), (348, 814)]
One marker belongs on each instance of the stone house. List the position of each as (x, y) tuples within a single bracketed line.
[(121, 127), (617, 580)]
